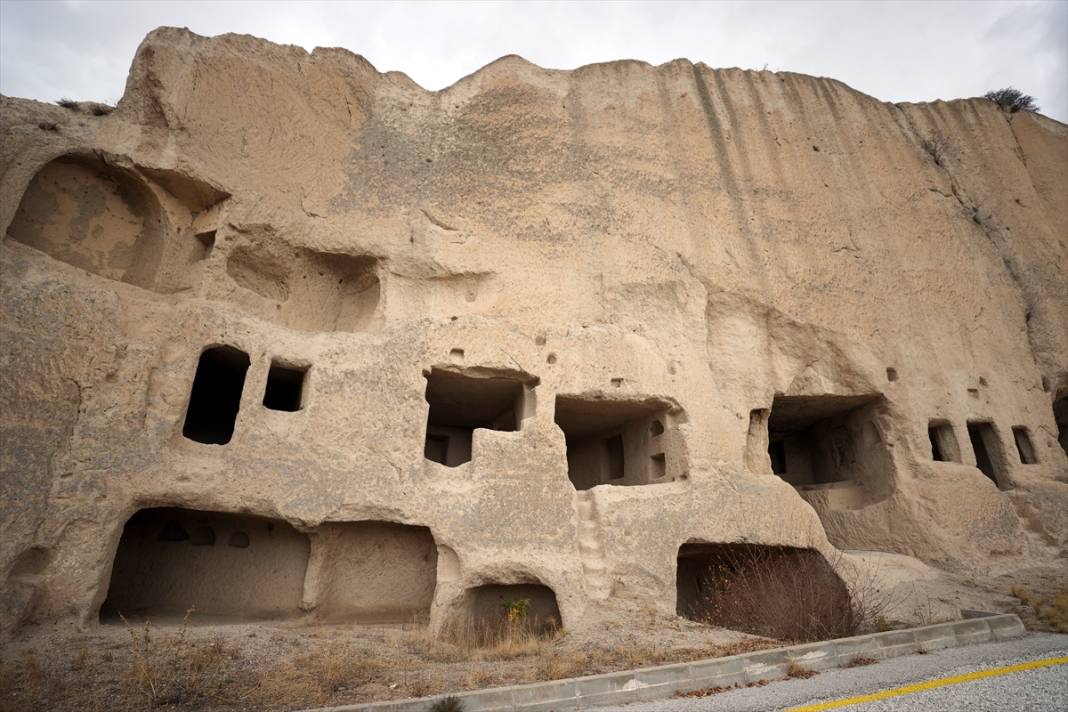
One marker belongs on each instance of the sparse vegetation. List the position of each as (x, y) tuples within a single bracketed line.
[(717, 689), (1012, 100), (936, 146), (69, 104), (516, 611), (860, 661), (170, 669), (448, 704), (1045, 612), (47, 126), (101, 110), (789, 595), (796, 671), (246, 668)]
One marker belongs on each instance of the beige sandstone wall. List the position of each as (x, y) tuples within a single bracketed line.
[(689, 240)]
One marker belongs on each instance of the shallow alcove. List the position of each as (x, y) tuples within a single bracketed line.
[(376, 572), (827, 439), (94, 216), (309, 290), (494, 611), (618, 442), (989, 457), (215, 397), (944, 446), (463, 401), (778, 591), (160, 573)]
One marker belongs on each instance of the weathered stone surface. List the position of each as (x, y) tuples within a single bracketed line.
[(705, 252)]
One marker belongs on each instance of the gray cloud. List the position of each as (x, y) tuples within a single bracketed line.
[(906, 51)]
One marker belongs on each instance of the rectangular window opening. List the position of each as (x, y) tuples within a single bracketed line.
[(944, 447), (215, 397), (987, 449), (827, 439), (285, 388), (1024, 446)]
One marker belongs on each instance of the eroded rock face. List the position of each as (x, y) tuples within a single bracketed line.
[(537, 330)]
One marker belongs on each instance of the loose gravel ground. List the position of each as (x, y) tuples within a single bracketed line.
[(1032, 690)]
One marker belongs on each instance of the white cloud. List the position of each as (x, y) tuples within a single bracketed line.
[(893, 51)]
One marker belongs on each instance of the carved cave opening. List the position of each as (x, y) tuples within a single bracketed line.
[(462, 402), (215, 397), (618, 442), (777, 591), (228, 567), (826, 439), (944, 446), (989, 457)]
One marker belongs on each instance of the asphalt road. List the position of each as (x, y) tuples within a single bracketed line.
[(1035, 690)]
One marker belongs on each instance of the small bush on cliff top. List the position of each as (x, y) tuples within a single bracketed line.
[(1012, 100)]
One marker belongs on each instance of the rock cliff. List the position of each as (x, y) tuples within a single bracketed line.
[(369, 351)]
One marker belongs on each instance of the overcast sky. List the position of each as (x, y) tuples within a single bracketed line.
[(910, 51)]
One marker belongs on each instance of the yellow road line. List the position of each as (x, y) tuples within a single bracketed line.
[(931, 685)]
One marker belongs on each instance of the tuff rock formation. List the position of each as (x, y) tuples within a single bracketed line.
[(286, 337)]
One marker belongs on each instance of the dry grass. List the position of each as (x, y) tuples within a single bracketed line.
[(265, 669), (709, 691), (860, 661), (170, 669), (1046, 612), (796, 671)]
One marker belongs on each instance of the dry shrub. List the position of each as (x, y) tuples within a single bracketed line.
[(448, 704), (786, 593), (796, 671), (1011, 100), (860, 661), (1050, 612)]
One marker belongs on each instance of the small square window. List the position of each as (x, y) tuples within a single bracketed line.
[(944, 447), (285, 388), (205, 242)]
